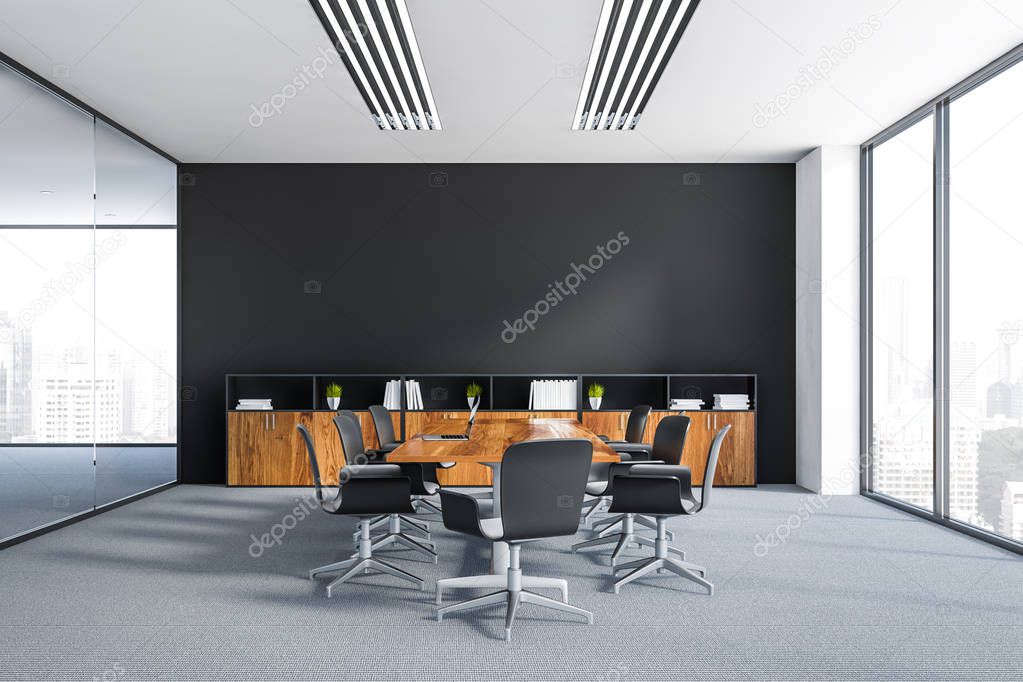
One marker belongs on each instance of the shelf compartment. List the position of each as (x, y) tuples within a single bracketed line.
[(286, 391), (625, 392), (447, 392)]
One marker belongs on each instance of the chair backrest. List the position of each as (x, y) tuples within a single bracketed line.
[(636, 425), (670, 439), (349, 430), (311, 451), (712, 463), (383, 424), (542, 487)]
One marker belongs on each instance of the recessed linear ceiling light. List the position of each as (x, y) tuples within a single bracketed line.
[(634, 41), (379, 49)]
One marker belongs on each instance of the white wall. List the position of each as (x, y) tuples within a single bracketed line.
[(827, 320)]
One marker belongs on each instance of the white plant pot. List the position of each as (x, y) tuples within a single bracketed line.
[(595, 403), (472, 401), (333, 403)]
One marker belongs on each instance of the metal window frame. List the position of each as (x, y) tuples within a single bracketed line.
[(940, 108)]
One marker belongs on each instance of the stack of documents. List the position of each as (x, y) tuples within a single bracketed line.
[(254, 404), (413, 395), (731, 401), (392, 395), (552, 394), (683, 404)]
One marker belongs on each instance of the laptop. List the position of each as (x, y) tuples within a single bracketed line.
[(456, 436)]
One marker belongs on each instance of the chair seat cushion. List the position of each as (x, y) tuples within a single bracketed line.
[(596, 487), (492, 528)]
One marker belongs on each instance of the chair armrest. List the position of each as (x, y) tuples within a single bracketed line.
[(604, 438), (368, 471), (376, 495), (632, 448), (683, 474), (446, 465), (647, 495), (461, 512)]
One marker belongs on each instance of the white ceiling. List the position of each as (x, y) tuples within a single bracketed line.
[(185, 74)]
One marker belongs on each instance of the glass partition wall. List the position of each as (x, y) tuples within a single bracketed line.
[(943, 339), (88, 311)]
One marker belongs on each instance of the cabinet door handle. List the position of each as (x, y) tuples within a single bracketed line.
[(266, 422), (273, 422)]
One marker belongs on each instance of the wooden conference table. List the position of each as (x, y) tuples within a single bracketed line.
[(490, 437)]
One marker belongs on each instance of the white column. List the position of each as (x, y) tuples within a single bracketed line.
[(827, 320)]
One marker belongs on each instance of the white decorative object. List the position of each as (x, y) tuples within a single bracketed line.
[(595, 403), (333, 403)]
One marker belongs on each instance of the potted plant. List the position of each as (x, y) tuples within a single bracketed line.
[(596, 393), (333, 393), (472, 394)]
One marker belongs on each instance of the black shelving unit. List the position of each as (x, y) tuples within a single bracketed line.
[(501, 392)]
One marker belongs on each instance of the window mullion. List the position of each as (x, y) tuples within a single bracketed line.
[(942, 389)]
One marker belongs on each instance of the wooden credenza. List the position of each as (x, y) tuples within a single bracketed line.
[(265, 448), (737, 463)]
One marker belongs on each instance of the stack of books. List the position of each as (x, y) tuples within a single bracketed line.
[(731, 401), (254, 404), (684, 404), (413, 395), (552, 394), (392, 395)]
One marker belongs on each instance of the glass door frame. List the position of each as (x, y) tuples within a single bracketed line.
[(939, 107)]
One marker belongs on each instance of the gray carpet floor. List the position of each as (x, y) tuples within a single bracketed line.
[(844, 588)]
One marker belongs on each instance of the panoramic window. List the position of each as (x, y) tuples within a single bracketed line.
[(903, 301), (980, 454), (986, 312)]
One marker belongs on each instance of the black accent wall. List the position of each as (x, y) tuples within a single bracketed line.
[(419, 266)]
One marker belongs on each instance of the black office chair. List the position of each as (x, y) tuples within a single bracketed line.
[(350, 432), (631, 449), (541, 493), (364, 496), (424, 481), (665, 491), (669, 441)]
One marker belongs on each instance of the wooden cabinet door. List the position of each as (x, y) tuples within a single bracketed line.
[(610, 424), (737, 461), (329, 453), (694, 454), (264, 448), (247, 436)]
